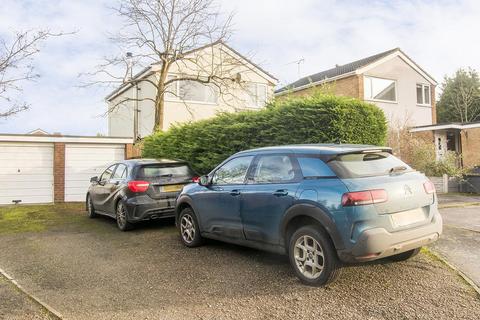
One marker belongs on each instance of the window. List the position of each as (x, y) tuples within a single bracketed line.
[(256, 95), (314, 167), (274, 168), (233, 172), (164, 171), (357, 165), (423, 94), (380, 89), (107, 174), (120, 172), (189, 90)]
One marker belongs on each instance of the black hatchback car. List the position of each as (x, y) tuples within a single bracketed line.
[(136, 190)]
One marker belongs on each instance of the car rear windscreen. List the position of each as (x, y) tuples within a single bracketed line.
[(367, 164), (164, 170)]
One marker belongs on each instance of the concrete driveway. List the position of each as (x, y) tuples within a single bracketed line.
[(87, 269), (460, 242)]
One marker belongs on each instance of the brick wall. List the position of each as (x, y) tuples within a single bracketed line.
[(350, 86), (133, 151), (470, 147), (59, 172)]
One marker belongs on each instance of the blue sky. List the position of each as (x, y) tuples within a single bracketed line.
[(441, 36)]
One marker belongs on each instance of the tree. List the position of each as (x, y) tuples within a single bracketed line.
[(460, 99), (168, 33), (16, 67)]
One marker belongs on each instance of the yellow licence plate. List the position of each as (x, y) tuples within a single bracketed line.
[(172, 188)]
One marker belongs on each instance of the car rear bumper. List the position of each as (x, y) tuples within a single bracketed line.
[(378, 243), (143, 207)]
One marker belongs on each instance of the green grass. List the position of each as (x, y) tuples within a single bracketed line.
[(37, 218)]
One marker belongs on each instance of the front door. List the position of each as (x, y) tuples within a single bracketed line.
[(218, 205), (270, 191)]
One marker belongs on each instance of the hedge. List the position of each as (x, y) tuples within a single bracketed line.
[(315, 119)]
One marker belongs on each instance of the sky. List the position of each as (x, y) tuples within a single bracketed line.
[(441, 36)]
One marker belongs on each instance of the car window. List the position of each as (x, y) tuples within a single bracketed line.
[(233, 172), (165, 170), (107, 174), (357, 165), (274, 168), (314, 167), (120, 172)]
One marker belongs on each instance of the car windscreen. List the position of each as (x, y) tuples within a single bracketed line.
[(155, 171), (367, 164)]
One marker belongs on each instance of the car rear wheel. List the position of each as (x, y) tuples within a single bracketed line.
[(121, 217), (312, 256), (189, 230), (90, 208), (405, 255)]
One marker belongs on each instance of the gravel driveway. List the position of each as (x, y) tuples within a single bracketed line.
[(87, 269)]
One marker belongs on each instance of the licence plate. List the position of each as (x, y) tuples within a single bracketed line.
[(405, 218), (171, 188)]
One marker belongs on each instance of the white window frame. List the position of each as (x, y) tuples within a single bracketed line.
[(176, 97), (380, 100), (423, 104), (257, 104)]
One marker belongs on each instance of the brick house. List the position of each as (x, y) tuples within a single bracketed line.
[(390, 80), (463, 138)]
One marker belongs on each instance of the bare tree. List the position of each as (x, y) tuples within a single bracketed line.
[(16, 67), (166, 35)]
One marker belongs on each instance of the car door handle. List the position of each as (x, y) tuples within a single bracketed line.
[(235, 192), (280, 193)]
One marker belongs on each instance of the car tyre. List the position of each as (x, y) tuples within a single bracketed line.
[(90, 209), (122, 217), (313, 256), (189, 229), (405, 255)]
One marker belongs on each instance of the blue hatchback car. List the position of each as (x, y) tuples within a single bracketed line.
[(319, 204)]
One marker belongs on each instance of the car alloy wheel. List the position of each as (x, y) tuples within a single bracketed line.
[(90, 208), (309, 258), (187, 228), (122, 221)]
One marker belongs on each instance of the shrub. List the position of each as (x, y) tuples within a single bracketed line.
[(315, 119)]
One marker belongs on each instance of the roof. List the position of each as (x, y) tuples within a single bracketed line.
[(9, 137), (321, 148), (446, 126), (341, 71), (38, 131), (147, 71)]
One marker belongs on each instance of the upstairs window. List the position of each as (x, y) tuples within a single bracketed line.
[(423, 94), (380, 89), (256, 95), (191, 91)]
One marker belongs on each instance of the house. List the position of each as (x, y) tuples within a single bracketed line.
[(131, 110), (38, 131), (390, 80), (463, 138)]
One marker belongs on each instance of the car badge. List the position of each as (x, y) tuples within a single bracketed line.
[(408, 191)]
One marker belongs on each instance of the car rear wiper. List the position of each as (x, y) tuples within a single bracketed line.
[(397, 169)]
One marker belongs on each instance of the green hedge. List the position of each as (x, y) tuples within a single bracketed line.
[(316, 119)]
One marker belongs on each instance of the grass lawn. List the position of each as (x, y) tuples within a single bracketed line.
[(36, 218)]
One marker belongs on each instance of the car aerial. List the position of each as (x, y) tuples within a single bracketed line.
[(137, 190), (319, 204)]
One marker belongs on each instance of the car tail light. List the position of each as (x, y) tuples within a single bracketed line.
[(195, 179), (360, 198), (429, 187), (138, 186)]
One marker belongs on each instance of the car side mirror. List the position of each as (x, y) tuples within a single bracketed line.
[(204, 181), (94, 179)]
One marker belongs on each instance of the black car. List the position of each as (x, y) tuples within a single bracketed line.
[(136, 190)]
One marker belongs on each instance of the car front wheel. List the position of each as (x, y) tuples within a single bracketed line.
[(121, 217), (189, 230), (312, 256), (90, 208)]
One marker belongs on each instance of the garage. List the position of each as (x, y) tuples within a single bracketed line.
[(54, 168), (26, 172), (83, 161)]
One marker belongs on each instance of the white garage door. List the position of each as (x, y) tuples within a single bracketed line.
[(26, 172), (83, 161)]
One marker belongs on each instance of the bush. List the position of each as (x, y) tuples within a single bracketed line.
[(315, 119)]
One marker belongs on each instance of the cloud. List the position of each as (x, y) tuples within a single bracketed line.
[(439, 35)]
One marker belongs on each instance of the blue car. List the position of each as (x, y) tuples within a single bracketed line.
[(320, 204)]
